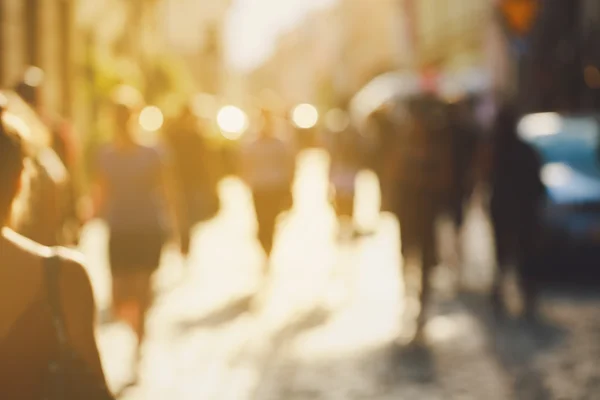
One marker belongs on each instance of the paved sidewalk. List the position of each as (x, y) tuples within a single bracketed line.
[(327, 324)]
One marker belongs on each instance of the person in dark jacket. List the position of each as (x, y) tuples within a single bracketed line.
[(382, 132), (423, 177), (517, 192), (465, 132)]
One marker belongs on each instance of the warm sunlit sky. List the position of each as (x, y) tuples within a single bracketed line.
[(253, 26)]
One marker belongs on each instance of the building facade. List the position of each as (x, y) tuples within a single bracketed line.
[(448, 33), (334, 52), (303, 61), (39, 33), (194, 30), (373, 41)]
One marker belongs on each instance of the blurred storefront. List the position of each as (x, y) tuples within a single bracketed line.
[(448, 33), (334, 52), (590, 29), (560, 61), (562, 73), (39, 33), (373, 42), (553, 75), (128, 42), (194, 30), (303, 61)]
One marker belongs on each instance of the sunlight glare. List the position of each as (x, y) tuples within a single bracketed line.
[(305, 116), (556, 174), (542, 124), (232, 121), (151, 119)]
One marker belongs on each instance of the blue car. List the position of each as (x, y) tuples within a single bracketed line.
[(568, 146)]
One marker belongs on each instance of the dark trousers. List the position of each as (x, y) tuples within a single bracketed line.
[(516, 240), (268, 204), (188, 204), (417, 213)]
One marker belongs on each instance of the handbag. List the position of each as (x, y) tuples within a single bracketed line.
[(69, 377)]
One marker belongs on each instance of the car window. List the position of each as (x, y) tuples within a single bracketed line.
[(574, 142)]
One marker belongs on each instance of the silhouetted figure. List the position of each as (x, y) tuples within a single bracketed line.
[(423, 176), (382, 131), (268, 168), (65, 147), (133, 196), (517, 192), (189, 156), (465, 131), (345, 166), (47, 343)]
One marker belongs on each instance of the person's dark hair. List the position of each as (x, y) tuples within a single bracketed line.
[(29, 86), (11, 166), (507, 120), (122, 111), (27, 93)]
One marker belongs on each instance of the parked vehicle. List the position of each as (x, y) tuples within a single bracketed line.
[(568, 146)]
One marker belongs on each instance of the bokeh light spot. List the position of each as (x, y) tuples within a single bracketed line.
[(305, 116), (151, 118), (232, 121)]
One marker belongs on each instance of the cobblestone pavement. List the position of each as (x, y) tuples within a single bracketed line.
[(327, 322)]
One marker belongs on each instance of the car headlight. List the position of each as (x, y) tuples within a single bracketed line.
[(556, 175)]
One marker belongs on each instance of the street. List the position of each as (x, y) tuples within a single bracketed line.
[(326, 323)]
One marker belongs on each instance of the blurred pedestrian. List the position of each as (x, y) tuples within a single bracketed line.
[(422, 170), (345, 166), (517, 194), (268, 165), (47, 185), (65, 146), (132, 195), (465, 142), (47, 343), (197, 193), (382, 134)]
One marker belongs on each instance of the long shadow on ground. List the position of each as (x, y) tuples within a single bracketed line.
[(517, 344)]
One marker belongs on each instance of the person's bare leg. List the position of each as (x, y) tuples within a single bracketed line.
[(121, 294), (127, 309), (137, 310), (184, 246), (143, 300)]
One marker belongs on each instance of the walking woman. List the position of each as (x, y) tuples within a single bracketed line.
[(46, 306), (517, 195), (131, 196)]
